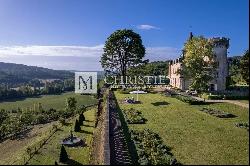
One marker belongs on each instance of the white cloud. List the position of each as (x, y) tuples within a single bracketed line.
[(72, 57), (76, 51), (146, 27)]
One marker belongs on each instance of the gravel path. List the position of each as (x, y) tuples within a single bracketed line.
[(225, 101)]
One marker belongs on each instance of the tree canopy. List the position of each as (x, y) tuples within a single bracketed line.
[(244, 66), (123, 49), (199, 63)]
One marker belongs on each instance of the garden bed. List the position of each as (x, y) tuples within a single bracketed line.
[(217, 113), (244, 125), (134, 116), (188, 99), (151, 150)]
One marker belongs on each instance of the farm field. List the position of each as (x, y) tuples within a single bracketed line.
[(194, 136), (48, 101), (51, 150)]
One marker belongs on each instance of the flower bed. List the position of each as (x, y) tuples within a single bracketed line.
[(217, 113), (133, 116), (244, 125), (188, 99), (151, 150)]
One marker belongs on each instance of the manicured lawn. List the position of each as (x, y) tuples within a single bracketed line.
[(195, 137), (80, 155), (48, 101)]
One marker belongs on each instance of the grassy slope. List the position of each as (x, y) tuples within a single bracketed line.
[(50, 152), (48, 101), (195, 137)]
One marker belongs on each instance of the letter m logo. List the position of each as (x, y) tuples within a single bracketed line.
[(86, 82)]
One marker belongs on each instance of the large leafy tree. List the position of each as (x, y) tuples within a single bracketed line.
[(123, 49), (199, 63), (244, 66)]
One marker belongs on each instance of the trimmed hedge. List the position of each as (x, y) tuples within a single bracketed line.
[(151, 150)]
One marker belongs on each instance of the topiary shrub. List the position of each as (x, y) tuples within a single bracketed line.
[(77, 127), (63, 155), (81, 119)]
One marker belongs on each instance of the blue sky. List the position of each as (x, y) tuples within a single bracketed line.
[(66, 34)]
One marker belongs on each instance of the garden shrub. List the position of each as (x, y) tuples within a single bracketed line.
[(217, 113), (77, 127), (63, 155), (151, 150), (244, 125), (134, 116)]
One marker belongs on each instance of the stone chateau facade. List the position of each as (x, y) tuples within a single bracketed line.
[(220, 46)]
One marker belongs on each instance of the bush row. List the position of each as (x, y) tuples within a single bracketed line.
[(227, 97), (188, 99), (151, 150)]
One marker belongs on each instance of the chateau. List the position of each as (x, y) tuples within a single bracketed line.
[(220, 46)]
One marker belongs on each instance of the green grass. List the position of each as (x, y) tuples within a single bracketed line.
[(15, 153), (195, 137), (48, 101), (50, 151)]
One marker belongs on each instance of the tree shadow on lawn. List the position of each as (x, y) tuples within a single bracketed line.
[(160, 103)]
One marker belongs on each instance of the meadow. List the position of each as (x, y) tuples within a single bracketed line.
[(48, 101), (194, 137)]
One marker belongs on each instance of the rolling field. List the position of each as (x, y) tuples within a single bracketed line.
[(195, 137), (48, 101)]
